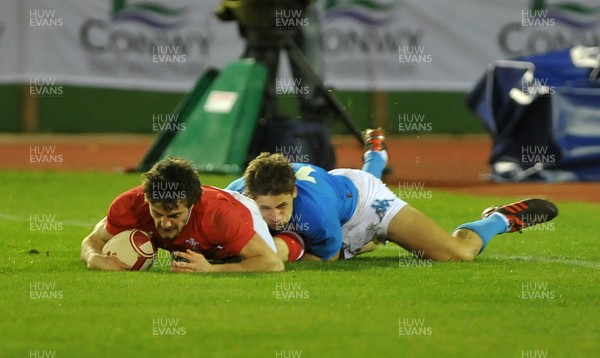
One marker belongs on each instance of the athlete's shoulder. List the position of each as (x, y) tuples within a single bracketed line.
[(306, 166), (308, 173), (237, 185), (128, 210), (217, 201), (213, 196), (221, 218), (133, 196)]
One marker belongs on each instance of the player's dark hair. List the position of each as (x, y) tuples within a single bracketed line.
[(171, 181), (269, 174)]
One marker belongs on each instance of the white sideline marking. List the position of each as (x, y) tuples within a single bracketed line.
[(571, 262), (76, 223)]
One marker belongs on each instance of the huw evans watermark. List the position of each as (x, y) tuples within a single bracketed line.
[(44, 222), (413, 327), (44, 291), (42, 353), (530, 220), (413, 123), (413, 55), (536, 291), (531, 88), (415, 258), (163, 259), (168, 54), (411, 191), (537, 19), (45, 19), (289, 291), (44, 155), (167, 327), (167, 122), (293, 153), (45, 87), (295, 224), (537, 86), (291, 87), (534, 353), (288, 353), (533, 154), (290, 19), (167, 191)]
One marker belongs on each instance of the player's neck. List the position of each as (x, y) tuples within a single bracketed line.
[(189, 216)]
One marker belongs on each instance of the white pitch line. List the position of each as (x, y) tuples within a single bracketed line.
[(571, 262), (76, 223)]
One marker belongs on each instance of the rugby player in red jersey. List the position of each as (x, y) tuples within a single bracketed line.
[(197, 223)]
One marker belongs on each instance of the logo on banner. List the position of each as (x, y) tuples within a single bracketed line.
[(571, 14), (551, 25), (373, 12), (358, 32), (151, 14), (376, 17), (145, 39)]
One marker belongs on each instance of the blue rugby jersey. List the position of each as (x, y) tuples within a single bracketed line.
[(324, 203)]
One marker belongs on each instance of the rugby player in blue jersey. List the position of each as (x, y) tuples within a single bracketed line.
[(340, 212)]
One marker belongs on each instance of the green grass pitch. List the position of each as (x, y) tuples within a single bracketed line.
[(534, 294)]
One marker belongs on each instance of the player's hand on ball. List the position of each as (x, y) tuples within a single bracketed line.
[(106, 263), (196, 262)]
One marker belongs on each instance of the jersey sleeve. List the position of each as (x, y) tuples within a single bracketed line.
[(123, 213), (237, 185)]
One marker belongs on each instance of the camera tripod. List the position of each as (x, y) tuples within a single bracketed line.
[(265, 47)]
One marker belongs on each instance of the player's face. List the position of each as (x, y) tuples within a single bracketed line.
[(169, 223), (276, 209)]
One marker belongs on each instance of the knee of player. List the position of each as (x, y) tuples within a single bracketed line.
[(469, 255), (463, 254), (454, 253)]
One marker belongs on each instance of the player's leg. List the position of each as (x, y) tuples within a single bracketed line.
[(414, 231), (380, 213), (375, 156), (409, 228), (374, 201), (513, 217), (419, 234)]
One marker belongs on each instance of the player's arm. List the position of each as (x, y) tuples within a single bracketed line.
[(257, 257), (91, 250), (326, 243), (311, 257)]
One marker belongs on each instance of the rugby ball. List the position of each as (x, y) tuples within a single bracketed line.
[(133, 247)]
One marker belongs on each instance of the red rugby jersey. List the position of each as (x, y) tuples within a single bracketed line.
[(219, 226)]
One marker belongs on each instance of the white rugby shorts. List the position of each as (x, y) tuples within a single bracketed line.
[(376, 207)]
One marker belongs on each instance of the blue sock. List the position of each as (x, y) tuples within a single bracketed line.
[(487, 228), (375, 162)]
